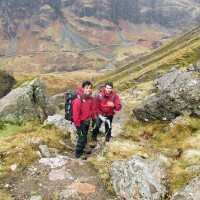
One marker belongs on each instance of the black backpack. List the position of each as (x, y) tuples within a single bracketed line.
[(70, 95)]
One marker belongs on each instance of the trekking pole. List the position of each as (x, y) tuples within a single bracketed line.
[(109, 127)]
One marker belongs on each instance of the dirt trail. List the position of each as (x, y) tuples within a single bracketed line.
[(80, 176)]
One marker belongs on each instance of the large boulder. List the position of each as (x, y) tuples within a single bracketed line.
[(28, 102), (139, 178), (178, 93), (60, 122), (191, 191)]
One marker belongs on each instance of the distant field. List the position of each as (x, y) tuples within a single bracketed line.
[(59, 82)]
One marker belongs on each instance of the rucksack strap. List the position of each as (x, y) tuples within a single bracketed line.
[(101, 97)]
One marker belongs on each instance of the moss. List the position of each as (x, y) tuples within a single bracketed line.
[(8, 129), (28, 78), (4, 195)]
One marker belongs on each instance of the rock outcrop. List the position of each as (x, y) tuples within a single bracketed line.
[(139, 178), (28, 102), (178, 93)]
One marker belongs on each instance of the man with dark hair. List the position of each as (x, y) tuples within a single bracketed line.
[(83, 112), (107, 101)]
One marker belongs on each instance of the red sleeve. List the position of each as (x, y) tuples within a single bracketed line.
[(77, 111), (98, 105), (118, 105)]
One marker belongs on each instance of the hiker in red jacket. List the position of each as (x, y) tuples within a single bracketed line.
[(107, 102), (83, 112)]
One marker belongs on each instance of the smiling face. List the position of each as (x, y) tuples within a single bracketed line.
[(108, 89), (87, 90)]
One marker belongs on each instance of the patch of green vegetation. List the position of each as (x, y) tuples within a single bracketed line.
[(5, 196), (28, 78), (179, 178), (181, 137), (8, 129), (23, 147)]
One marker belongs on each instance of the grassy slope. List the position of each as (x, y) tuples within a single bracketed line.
[(182, 51), (157, 142)]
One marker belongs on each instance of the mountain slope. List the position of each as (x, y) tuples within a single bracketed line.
[(66, 35), (181, 51)]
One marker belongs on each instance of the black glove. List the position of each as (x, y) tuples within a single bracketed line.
[(78, 128)]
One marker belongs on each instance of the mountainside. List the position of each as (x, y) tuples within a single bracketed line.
[(67, 35), (182, 51), (142, 160)]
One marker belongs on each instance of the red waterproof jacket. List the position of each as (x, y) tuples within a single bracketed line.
[(83, 108), (101, 101)]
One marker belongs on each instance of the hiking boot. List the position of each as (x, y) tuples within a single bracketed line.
[(107, 138), (87, 150), (93, 143), (83, 157)]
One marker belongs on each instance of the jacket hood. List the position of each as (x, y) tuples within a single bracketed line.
[(80, 93)]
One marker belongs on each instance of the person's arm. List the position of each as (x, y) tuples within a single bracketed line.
[(77, 112), (117, 103), (98, 105)]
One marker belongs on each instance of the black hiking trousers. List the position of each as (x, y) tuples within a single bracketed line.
[(95, 131), (82, 140)]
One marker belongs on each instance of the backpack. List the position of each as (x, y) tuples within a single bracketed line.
[(70, 95)]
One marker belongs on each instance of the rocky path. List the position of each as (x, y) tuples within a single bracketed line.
[(61, 177), (64, 176)]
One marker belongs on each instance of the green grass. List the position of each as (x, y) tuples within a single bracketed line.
[(151, 140), (7, 129), (23, 152), (167, 143), (5, 196)]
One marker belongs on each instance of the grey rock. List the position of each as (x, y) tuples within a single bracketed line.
[(178, 119), (193, 168), (197, 66), (38, 141), (45, 151), (58, 121), (28, 102), (59, 100), (190, 192), (178, 93), (60, 174), (13, 167), (36, 197), (69, 194), (54, 162), (139, 178), (61, 122)]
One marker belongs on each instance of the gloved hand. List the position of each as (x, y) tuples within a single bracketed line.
[(78, 128), (102, 118)]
